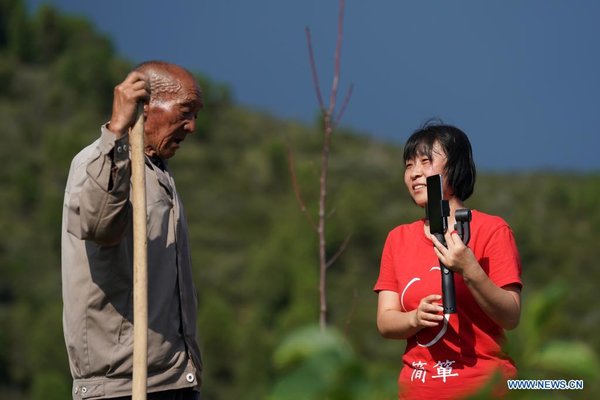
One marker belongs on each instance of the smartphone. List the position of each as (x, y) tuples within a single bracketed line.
[(437, 209)]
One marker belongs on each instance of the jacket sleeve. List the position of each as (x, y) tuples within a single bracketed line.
[(104, 206)]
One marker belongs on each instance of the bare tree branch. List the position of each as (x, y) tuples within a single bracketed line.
[(331, 212), (313, 69), (337, 59), (321, 223), (338, 118), (297, 191), (339, 252)]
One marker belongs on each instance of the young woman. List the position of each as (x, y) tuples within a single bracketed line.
[(454, 355)]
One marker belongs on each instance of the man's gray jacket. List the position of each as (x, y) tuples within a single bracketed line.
[(97, 285)]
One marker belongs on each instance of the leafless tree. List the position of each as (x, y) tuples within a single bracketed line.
[(330, 119)]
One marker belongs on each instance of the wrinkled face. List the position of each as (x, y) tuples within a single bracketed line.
[(171, 118), (419, 168)]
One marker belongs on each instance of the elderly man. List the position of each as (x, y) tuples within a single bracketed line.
[(97, 246)]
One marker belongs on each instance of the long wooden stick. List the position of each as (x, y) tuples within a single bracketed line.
[(140, 260)]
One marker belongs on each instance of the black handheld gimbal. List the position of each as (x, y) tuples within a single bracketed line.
[(437, 212)]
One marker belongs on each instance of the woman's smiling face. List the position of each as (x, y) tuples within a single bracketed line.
[(419, 168)]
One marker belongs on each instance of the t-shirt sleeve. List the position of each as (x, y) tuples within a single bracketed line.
[(503, 258), (387, 277)]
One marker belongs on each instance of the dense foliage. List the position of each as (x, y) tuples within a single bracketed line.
[(254, 253)]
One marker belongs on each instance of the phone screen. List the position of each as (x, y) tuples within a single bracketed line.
[(435, 210)]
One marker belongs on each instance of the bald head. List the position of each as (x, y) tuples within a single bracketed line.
[(171, 112), (169, 81)]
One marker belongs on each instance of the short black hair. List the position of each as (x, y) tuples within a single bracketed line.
[(460, 172)]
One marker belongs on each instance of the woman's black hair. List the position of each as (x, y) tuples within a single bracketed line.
[(460, 170)]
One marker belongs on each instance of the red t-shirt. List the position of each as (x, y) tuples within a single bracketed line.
[(460, 355)]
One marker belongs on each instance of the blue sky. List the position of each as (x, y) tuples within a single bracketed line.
[(520, 77)]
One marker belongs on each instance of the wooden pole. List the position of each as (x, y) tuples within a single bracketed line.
[(140, 259)]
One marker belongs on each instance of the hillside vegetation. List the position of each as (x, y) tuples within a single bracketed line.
[(255, 255)]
